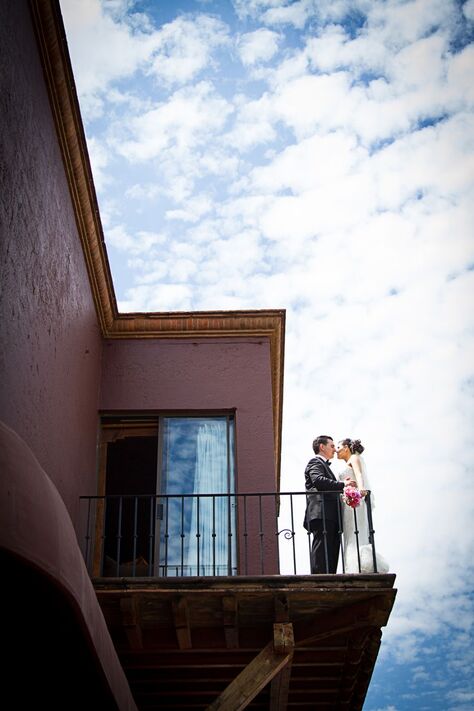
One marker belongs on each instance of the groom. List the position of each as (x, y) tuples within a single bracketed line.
[(322, 517)]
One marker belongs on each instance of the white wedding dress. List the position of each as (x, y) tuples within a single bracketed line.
[(358, 551)]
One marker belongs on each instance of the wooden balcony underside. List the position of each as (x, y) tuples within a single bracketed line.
[(270, 642)]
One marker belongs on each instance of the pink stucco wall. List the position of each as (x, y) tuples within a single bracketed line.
[(50, 345), (200, 375)]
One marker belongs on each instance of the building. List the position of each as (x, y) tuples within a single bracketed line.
[(145, 591)]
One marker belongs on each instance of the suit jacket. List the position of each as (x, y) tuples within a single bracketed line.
[(319, 477)]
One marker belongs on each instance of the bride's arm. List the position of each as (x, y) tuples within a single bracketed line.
[(354, 462)]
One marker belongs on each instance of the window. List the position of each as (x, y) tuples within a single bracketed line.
[(169, 508)]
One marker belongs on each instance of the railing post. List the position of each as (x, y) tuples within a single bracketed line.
[(371, 529), (325, 534), (198, 535), (88, 536), (356, 533), (341, 537), (214, 535), (182, 535), (293, 533), (135, 536), (246, 552), (151, 534), (261, 534)]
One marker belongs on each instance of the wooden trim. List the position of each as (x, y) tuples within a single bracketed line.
[(52, 44), (112, 433)]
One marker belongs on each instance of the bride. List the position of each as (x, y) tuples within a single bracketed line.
[(357, 546)]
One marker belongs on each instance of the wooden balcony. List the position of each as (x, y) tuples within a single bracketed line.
[(258, 642)]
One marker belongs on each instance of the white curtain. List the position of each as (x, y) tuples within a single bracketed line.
[(212, 517)]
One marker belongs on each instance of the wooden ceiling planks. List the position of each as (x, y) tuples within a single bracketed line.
[(186, 642)]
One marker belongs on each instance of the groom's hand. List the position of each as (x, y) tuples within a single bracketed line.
[(350, 482)]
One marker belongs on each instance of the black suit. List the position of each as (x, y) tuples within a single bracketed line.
[(323, 516)]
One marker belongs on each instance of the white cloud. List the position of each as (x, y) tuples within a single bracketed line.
[(334, 50), (468, 10), (184, 47), (108, 44), (195, 209), (400, 23), (138, 243), (295, 13), (102, 47), (139, 191), (257, 46), (253, 8), (310, 163), (185, 120), (99, 159)]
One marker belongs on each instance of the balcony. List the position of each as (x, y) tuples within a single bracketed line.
[(210, 605), (195, 535)]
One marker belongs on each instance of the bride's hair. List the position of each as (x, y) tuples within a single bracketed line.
[(354, 445)]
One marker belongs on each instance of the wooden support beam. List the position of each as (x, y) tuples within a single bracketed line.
[(256, 675), (282, 608), (231, 630), (129, 608), (283, 640), (181, 623), (284, 644)]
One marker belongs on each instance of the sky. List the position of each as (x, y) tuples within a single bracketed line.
[(317, 156)]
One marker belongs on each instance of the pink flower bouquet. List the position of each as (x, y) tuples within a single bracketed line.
[(352, 497)]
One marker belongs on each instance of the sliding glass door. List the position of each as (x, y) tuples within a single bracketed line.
[(196, 515)]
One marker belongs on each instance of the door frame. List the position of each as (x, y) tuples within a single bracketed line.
[(121, 424)]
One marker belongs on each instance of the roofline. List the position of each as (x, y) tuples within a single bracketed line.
[(59, 77)]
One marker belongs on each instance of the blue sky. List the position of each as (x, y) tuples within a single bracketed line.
[(317, 156)]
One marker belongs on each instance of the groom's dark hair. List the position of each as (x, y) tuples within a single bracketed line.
[(322, 439)]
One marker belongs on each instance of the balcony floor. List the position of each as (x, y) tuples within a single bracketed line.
[(182, 641)]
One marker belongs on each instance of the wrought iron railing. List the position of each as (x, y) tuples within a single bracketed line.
[(214, 534)]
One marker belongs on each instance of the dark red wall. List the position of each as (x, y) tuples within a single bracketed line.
[(205, 374), (50, 345)]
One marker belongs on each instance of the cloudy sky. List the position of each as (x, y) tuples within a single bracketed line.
[(317, 156)]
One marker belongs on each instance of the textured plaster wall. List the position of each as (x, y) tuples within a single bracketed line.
[(200, 375), (50, 345)]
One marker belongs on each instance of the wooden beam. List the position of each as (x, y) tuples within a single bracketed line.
[(181, 623), (231, 630), (284, 643), (131, 621), (283, 640), (256, 675), (282, 608)]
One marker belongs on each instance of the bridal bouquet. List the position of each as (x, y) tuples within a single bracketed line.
[(352, 497)]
